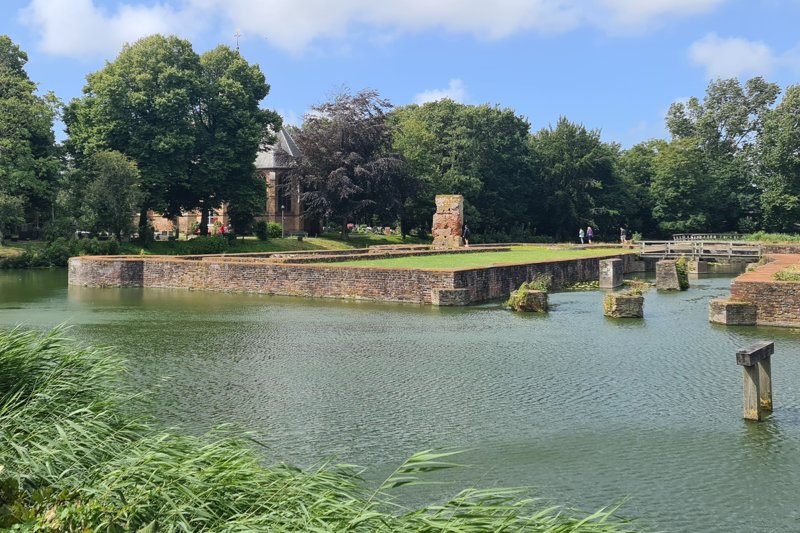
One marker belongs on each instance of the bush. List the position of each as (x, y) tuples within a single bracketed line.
[(58, 252), (212, 244), (540, 282), (274, 230), (261, 230)]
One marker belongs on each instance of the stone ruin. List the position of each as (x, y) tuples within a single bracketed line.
[(448, 221)]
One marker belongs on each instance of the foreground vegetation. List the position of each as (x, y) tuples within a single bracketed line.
[(517, 254), (75, 457)]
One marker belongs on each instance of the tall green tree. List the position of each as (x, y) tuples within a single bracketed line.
[(28, 157), (347, 167), (577, 178), (636, 172), (480, 152), (230, 128), (725, 125), (141, 104), (778, 155), (680, 188), (112, 195)]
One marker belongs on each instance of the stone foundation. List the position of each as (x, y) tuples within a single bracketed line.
[(732, 313), (448, 221), (697, 267), (450, 297), (262, 275), (610, 273), (533, 302), (623, 306), (667, 276)]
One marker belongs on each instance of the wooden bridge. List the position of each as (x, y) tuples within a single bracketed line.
[(726, 250)]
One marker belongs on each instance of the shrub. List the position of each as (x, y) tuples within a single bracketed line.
[(682, 268), (211, 244), (540, 282), (274, 230), (261, 230)]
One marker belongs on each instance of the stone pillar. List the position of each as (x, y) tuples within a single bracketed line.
[(448, 221), (698, 267), (610, 273), (732, 313), (667, 276), (757, 377)]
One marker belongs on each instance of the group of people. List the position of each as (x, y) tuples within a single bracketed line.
[(588, 235)]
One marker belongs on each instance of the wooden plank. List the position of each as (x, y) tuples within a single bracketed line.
[(751, 393), (765, 384), (754, 353)]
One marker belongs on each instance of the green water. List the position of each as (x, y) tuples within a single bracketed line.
[(588, 410)]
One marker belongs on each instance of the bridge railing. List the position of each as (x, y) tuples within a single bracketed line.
[(706, 236), (701, 249)]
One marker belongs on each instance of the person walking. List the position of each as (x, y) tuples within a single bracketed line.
[(465, 233), (589, 234), (581, 235), (622, 233)]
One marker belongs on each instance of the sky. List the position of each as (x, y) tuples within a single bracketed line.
[(612, 65)]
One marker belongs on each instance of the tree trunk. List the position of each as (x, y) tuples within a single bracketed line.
[(204, 221), (344, 229)]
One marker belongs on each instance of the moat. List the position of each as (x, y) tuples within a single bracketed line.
[(588, 410)]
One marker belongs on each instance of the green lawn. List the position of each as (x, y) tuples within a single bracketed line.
[(517, 254)]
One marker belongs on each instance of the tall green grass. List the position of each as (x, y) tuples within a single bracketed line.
[(76, 454), (763, 236)]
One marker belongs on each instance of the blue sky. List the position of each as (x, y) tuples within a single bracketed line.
[(613, 65)]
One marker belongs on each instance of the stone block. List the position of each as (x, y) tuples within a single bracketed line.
[(450, 297), (534, 302), (623, 305), (697, 267), (610, 273), (667, 276), (732, 313)]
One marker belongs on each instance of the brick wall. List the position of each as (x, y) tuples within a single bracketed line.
[(777, 302), (369, 283)]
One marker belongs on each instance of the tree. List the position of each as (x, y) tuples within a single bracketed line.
[(11, 213), (112, 196), (28, 161), (577, 181), (778, 154), (230, 127), (636, 172), (680, 188), (480, 152), (725, 126), (192, 123), (347, 167), (141, 105)]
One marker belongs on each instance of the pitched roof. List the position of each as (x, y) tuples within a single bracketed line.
[(267, 159)]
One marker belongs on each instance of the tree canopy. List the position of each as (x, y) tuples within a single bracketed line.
[(191, 123)]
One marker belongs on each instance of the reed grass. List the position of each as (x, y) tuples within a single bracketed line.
[(77, 454)]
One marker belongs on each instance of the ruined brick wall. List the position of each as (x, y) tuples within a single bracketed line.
[(399, 285), (498, 281), (448, 221), (365, 283), (777, 302)]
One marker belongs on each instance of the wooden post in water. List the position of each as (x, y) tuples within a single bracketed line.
[(757, 374)]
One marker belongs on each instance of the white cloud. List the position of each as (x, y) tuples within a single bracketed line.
[(455, 91), (633, 13), (732, 57), (81, 27)]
